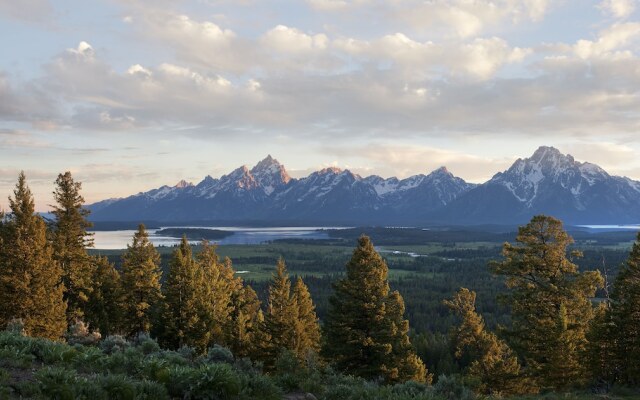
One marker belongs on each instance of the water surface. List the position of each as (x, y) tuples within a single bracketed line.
[(109, 240)]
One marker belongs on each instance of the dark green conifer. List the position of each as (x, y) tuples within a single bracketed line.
[(625, 319), (365, 329), (70, 240), (281, 317), (31, 285), (218, 286), (493, 367), (183, 302), (307, 334), (140, 283), (104, 308), (550, 303)]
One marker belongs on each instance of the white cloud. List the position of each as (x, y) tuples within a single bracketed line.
[(284, 39), (609, 40), (618, 8)]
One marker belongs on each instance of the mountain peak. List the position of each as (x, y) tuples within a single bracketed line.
[(441, 171), (330, 170), (183, 184), (546, 154), (266, 163)]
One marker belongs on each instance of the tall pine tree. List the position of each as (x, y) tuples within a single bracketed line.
[(140, 283), (183, 301), (493, 367), (103, 311), (307, 328), (31, 285), (218, 287), (366, 333), (625, 318), (281, 317), (244, 331), (70, 240), (550, 303)]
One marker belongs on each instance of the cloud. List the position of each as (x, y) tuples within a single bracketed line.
[(609, 40), (618, 8), (404, 160), (290, 40), (35, 11)]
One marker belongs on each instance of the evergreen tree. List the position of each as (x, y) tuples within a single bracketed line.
[(493, 367), (281, 318), (30, 279), (140, 283), (244, 333), (365, 329), (70, 240), (103, 310), (625, 318), (183, 301), (550, 303), (218, 287), (307, 328)]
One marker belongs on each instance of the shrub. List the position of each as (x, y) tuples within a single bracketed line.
[(215, 382), (117, 386), (56, 383), (89, 359), (219, 354), (451, 389), (147, 390), (16, 326), (189, 353), (113, 343), (258, 387), (146, 344), (178, 380), (79, 334)]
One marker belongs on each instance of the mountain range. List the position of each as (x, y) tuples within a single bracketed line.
[(548, 182)]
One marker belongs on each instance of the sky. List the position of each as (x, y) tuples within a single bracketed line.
[(130, 95)]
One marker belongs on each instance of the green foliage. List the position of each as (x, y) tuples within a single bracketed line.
[(183, 302), (30, 277), (550, 303), (104, 306), (366, 333), (215, 382), (493, 367), (114, 343), (70, 240), (625, 320), (219, 354), (307, 328), (281, 318), (140, 283)]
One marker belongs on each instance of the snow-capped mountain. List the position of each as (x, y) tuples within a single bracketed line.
[(548, 182), (267, 192), (553, 183)]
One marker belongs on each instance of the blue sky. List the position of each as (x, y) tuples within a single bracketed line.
[(131, 95)]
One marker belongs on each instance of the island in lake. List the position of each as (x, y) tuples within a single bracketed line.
[(195, 233)]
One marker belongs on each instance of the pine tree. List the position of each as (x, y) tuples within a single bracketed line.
[(365, 329), (307, 328), (70, 240), (183, 301), (281, 317), (493, 367), (219, 284), (550, 303), (140, 283), (30, 279), (103, 311), (625, 318), (244, 333)]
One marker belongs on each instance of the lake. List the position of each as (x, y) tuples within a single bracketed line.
[(112, 240)]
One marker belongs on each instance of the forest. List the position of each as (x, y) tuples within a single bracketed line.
[(453, 314)]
